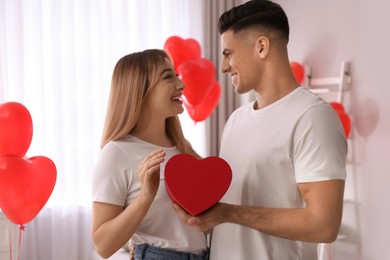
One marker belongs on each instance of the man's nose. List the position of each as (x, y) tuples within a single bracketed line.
[(225, 67)]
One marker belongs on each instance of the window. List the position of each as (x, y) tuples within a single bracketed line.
[(57, 58)]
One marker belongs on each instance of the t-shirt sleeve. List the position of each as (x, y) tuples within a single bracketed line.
[(320, 146), (111, 176)]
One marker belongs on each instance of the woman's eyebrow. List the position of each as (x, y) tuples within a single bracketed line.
[(166, 70)]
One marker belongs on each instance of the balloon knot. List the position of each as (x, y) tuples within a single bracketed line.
[(22, 227)]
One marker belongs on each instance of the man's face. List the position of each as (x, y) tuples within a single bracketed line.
[(240, 59)]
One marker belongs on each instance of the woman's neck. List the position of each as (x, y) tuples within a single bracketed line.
[(152, 132)]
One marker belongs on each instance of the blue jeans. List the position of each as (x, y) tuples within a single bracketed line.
[(147, 252)]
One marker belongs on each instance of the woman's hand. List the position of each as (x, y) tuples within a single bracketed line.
[(131, 251), (149, 174)]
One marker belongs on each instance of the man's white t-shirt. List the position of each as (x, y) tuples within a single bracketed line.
[(299, 138), (115, 181)]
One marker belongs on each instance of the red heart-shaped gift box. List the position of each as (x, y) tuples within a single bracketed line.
[(197, 185)]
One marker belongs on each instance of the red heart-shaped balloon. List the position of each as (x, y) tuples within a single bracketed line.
[(15, 129), (197, 185), (337, 106), (181, 50), (298, 71), (345, 121), (25, 186), (201, 111), (199, 78)]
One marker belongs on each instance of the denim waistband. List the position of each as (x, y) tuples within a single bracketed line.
[(148, 252)]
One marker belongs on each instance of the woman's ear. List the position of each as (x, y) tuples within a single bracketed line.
[(263, 46)]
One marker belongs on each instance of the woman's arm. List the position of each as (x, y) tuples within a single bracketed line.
[(112, 225)]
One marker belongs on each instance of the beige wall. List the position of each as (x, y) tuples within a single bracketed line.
[(323, 34)]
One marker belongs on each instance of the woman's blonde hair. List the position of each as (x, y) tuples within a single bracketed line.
[(133, 78)]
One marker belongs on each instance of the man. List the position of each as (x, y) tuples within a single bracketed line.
[(287, 149)]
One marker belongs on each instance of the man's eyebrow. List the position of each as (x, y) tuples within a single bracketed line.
[(226, 51)]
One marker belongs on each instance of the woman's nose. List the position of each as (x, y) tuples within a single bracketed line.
[(180, 85)]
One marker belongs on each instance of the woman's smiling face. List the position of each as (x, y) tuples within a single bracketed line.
[(165, 99)]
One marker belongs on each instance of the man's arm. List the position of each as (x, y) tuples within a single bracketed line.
[(318, 222)]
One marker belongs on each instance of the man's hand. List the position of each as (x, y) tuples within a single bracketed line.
[(204, 221)]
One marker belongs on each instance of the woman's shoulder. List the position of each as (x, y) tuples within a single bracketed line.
[(120, 148)]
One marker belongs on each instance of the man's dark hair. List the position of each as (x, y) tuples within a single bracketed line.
[(255, 13)]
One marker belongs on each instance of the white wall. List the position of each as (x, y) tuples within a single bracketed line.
[(323, 34)]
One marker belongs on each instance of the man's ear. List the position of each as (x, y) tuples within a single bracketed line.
[(262, 45)]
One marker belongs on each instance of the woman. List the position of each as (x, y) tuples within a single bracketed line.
[(142, 131)]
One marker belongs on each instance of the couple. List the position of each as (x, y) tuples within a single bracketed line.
[(288, 180)]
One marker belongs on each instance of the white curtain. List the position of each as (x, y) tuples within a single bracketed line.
[(229, 100), (56, 58)]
